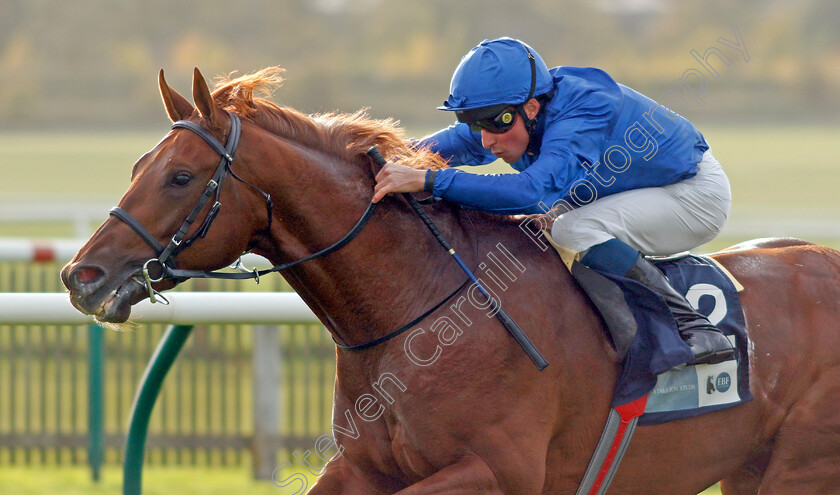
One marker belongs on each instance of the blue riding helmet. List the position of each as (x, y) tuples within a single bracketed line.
[(497, 72)]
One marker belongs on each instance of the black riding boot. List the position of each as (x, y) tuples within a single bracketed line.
[(706, 341)]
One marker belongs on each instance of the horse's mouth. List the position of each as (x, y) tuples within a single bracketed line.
[(117, 307), (114, 307)]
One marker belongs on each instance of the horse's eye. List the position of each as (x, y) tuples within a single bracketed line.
[(181, 179)]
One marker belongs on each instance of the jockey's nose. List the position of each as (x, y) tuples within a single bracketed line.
[(487, 139), (82, 279)]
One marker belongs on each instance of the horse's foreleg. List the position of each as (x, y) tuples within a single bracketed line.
[(469, 476)]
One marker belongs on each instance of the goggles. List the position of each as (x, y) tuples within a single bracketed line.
[(496, 119)]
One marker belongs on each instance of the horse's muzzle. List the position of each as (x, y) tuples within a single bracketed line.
[(92, 294)]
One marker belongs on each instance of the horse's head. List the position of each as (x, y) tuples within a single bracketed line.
[(181, 177)]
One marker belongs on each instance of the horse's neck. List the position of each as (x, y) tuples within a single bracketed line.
[(388, 275)]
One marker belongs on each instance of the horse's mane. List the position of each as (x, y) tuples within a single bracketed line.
[(347, 136)]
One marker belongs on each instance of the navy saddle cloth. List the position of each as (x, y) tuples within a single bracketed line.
[(657, 347)]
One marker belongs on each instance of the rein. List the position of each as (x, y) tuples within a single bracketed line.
[(164, 264), (256, 274), (402, 329)]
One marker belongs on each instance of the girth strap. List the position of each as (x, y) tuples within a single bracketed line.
[(621, 424)]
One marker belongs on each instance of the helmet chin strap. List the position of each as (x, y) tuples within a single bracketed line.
[(530, 124)]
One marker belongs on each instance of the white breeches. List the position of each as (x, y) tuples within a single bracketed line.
[(655, 220)]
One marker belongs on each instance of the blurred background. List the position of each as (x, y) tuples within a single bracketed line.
[(79, 104), (93, 64)]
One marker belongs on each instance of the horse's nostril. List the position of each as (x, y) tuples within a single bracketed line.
[(86, 275)]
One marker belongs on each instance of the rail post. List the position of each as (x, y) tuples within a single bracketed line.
[(96, 400), (167, 351), (266, 371)]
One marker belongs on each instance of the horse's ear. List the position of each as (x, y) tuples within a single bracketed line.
[(177, 107), (202, 98)]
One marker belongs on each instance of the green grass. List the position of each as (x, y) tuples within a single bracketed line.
[(156, 481), (769, 166), (776, 172), (70, 165), (780, 167)]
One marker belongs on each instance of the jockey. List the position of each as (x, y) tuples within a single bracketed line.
[(628, 177)]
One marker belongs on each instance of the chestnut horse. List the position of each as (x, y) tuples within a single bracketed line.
[(454, 406)]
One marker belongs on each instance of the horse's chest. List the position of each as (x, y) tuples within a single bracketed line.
[(409, 458), (384, 447)]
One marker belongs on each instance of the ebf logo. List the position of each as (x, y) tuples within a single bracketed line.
[(721, 383)]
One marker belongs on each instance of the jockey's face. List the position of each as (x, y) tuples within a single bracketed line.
[(511, 145)]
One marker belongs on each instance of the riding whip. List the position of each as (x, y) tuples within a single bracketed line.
[(511, 326)]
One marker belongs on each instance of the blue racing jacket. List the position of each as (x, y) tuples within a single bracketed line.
[(594, 138)]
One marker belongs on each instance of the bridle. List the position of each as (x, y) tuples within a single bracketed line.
[(163, 265)]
